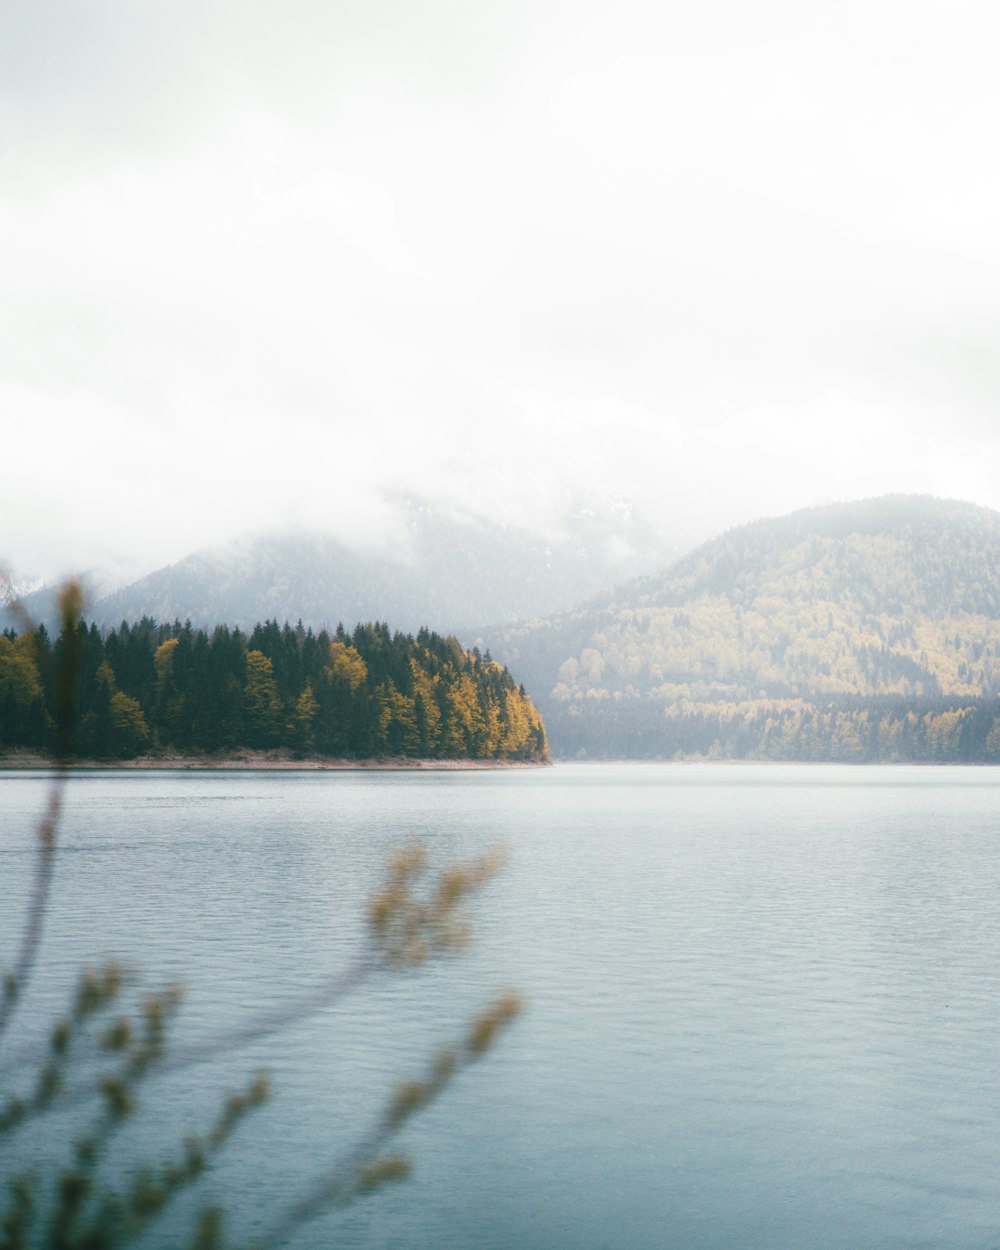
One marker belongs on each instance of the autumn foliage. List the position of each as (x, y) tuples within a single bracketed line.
[(365, 695)]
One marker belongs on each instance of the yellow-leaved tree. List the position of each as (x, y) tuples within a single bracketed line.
[(101, 1054)]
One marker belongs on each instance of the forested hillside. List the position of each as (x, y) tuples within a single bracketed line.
[(854, 631), (364, 695)]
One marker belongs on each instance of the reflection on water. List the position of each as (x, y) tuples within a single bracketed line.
[(763, 1001)]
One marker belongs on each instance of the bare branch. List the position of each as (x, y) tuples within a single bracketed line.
[(410, 920), (16, 981), (361, 1170)]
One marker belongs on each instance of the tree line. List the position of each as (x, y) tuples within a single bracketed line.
[(152, 687), (941, 730)]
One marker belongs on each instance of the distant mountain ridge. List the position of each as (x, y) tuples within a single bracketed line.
[(916, 527), (834, 611), (451, 574)]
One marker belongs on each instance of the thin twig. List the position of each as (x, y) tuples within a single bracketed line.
[(66, 679), (269, 1023), (16, 981), (360, 1169), (266, 1024)]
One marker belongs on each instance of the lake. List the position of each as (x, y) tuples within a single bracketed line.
[(762, 1001)]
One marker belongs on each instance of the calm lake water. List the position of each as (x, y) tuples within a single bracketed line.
[(762, 1002)]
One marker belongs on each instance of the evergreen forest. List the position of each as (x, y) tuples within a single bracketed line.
[(852, 632), (371, 694)]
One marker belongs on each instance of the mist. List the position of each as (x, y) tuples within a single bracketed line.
[(275, 268)]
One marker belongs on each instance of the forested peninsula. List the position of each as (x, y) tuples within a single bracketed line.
[(157, 689)]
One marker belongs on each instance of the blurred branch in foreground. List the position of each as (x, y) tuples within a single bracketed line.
[(103, 1051)]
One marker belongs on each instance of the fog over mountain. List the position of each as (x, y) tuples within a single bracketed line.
[(758, 641), (853, 631), (449, 572), (262, 263)]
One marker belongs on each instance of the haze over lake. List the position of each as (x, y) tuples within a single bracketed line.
[(646, 350), (762, 1002)]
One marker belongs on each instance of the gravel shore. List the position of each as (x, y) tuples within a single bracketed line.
[(261, 761)]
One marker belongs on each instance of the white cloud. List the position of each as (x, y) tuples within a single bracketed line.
[(724, 259)]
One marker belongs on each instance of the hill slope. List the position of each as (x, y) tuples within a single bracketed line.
[(813, 635), (452, 574)]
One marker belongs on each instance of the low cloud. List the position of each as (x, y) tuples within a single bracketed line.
[(261, 266)]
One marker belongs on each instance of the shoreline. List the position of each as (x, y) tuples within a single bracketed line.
[(257, 761), (269, 761)]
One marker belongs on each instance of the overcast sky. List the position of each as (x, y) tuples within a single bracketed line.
[(719, 259)]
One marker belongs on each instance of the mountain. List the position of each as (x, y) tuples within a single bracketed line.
[(449, 573), (37, 600), (863, 630)]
